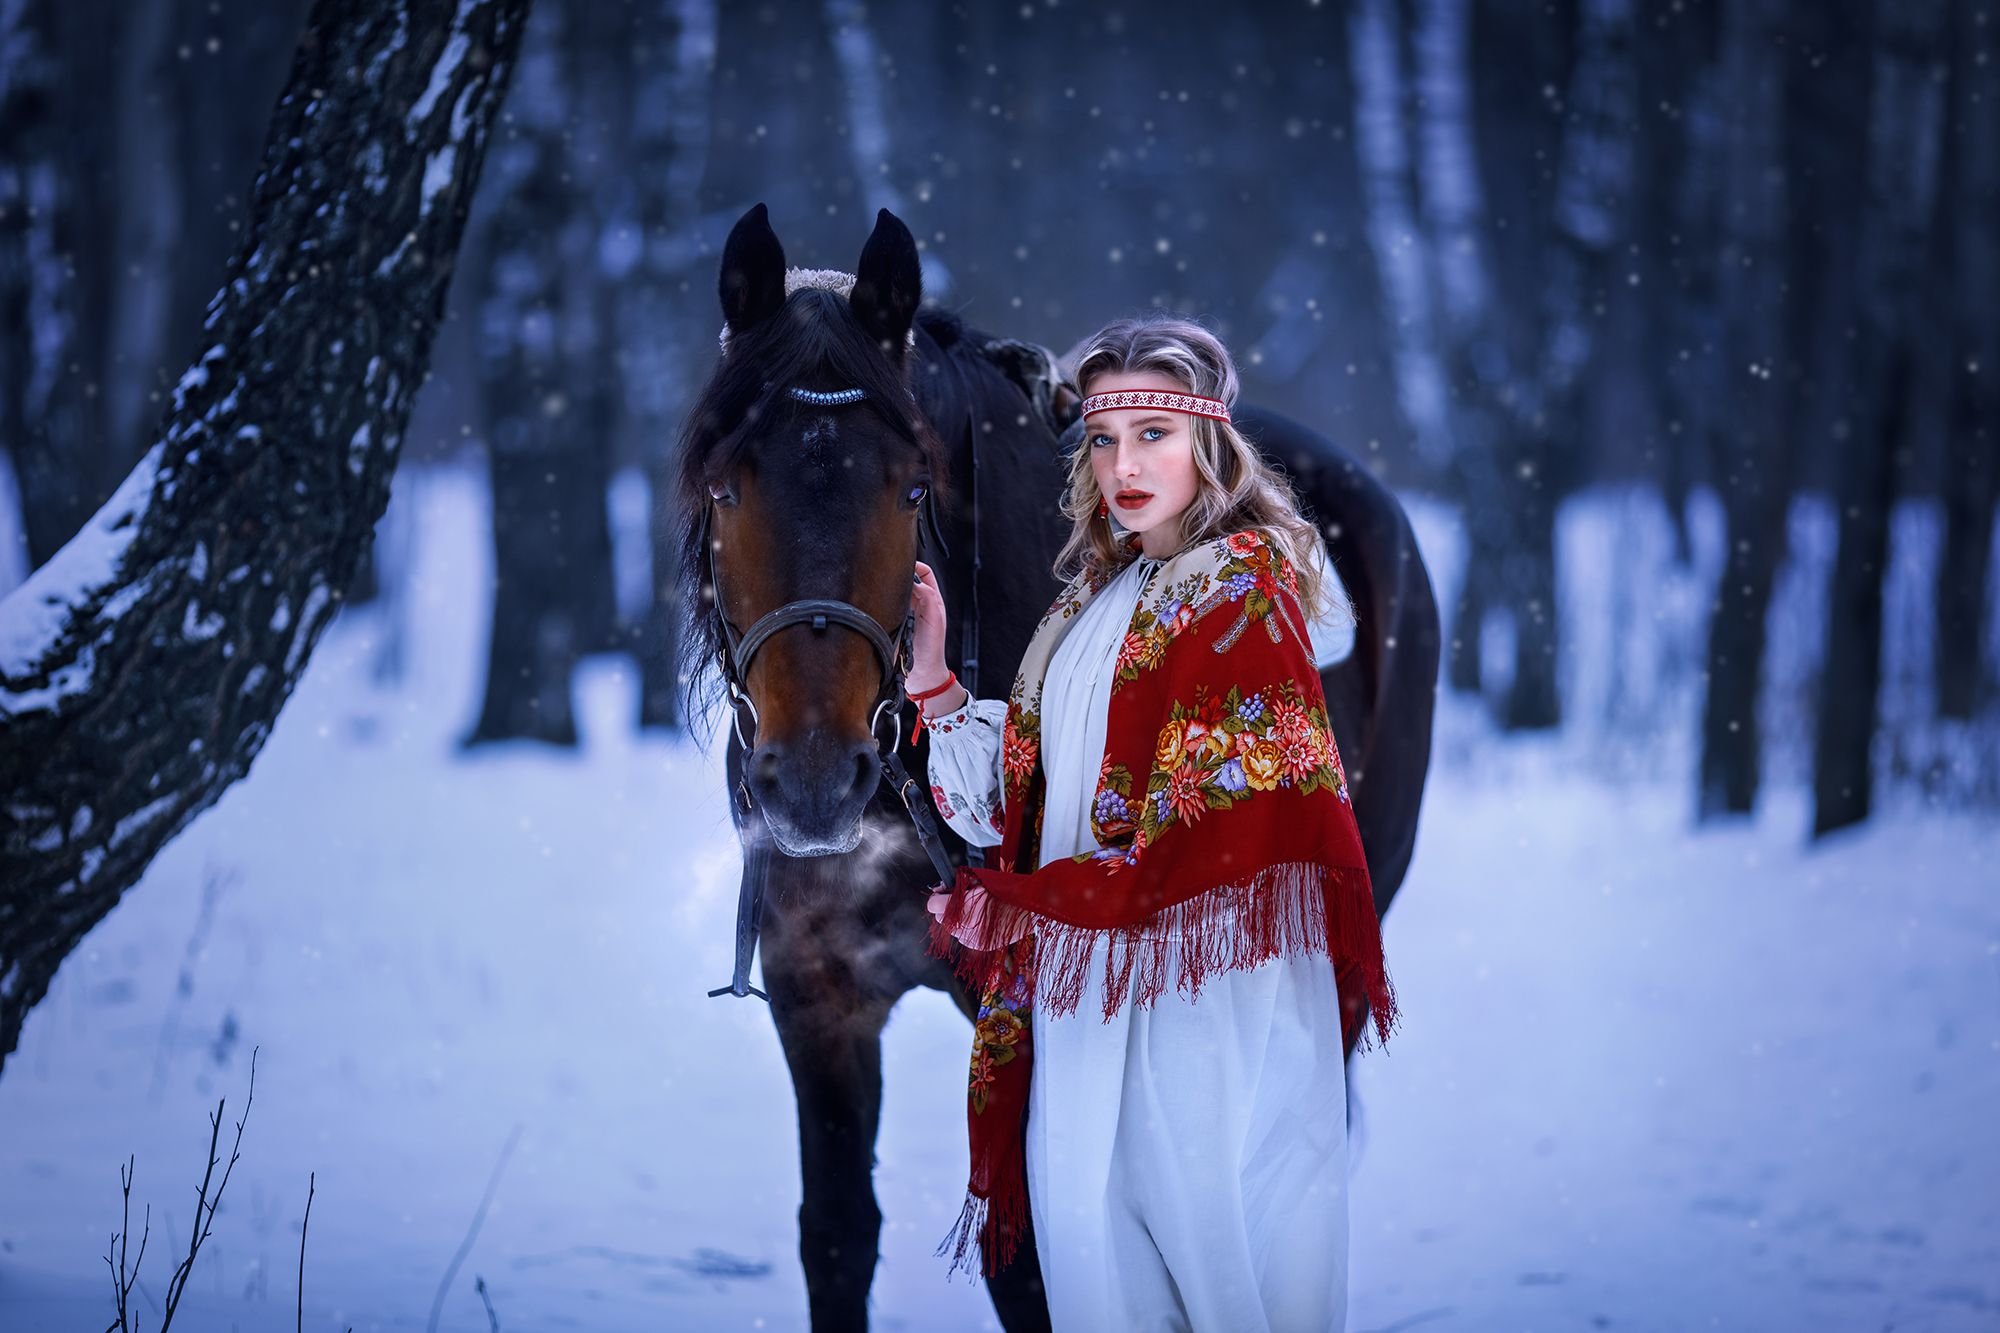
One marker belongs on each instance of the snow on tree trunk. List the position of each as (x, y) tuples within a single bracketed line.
[(551, 552), (142, 667), (1751, 434), (1906, 113)]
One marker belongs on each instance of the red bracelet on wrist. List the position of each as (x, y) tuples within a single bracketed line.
[(950, 679)]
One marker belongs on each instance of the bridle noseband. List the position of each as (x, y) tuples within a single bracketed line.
[(740, 649)]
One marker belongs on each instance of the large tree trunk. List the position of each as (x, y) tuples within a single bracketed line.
[(1675, 235), (1751, 435), (670, 133), (53, 212), (141, 669), (81, 373), (1477, 368), (1536, 199), (1905, 122), (29, 276), (1588, 222), (1387, 162), (547, 462), (1972, 434), (1424, 286)]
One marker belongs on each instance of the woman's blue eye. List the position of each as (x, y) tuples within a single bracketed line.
[(1150, 433)]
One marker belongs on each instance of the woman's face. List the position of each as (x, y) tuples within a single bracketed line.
[(1143, 459)]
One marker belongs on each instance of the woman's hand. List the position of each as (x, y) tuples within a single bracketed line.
[(976, 930), (927, 668)]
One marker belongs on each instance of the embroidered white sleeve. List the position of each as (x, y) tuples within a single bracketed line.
[(965, 769), (1332, 635)]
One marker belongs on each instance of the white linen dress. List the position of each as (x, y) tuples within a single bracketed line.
[(1187, 1161)]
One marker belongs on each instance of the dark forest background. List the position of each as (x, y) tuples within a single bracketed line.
[(1503, 251), (1671, 322)]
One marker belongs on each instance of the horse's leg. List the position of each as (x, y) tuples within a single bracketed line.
[(830, 1023)]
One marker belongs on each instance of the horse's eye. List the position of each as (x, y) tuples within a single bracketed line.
[(720, 491), (917, 491)]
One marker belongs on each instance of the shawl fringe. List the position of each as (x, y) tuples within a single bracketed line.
[(1292, 907), (994, 1223)]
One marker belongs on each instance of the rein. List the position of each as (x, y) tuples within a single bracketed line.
[(819, 613)]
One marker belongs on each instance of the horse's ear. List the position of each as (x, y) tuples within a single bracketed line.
[(753, 271), (888, 283)]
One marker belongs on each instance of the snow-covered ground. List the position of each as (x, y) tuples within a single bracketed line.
[(1649, 1077)]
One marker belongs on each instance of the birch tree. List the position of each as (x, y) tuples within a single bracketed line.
[(142, 668)]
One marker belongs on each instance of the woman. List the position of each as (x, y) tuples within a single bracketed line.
[(1178, 922)]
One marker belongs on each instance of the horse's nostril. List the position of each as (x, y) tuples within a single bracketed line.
[(868, 765), (764, 766)]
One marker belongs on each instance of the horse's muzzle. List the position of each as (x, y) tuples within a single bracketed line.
[(813, 791)]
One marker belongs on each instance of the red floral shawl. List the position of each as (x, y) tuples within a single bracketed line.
[(1223, 821)]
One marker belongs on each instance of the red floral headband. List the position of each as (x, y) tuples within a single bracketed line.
[(1193, 404)]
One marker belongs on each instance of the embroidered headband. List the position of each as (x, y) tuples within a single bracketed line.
[(1193, 404)]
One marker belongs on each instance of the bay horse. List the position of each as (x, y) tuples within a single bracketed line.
[(837, 435)]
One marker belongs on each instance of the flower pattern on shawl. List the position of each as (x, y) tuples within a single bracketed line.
[(1154, 627), (996, 1032), (1020, 739), (1252, 574), (1111, 812), (1214, 751)]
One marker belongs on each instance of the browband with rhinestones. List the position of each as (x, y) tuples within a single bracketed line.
[(1193, 404), (824, 398)]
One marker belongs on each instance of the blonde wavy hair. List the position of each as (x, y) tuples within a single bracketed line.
[(1236, 488)]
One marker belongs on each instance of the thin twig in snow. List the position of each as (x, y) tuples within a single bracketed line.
[(311, 1178), (478, 1217), (121, 1281), (202, 1222), (492, 1319)]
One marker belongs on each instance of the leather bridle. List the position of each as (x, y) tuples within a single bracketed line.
[(739, 650)]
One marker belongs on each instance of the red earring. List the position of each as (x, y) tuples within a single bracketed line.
[(1103, 507)]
